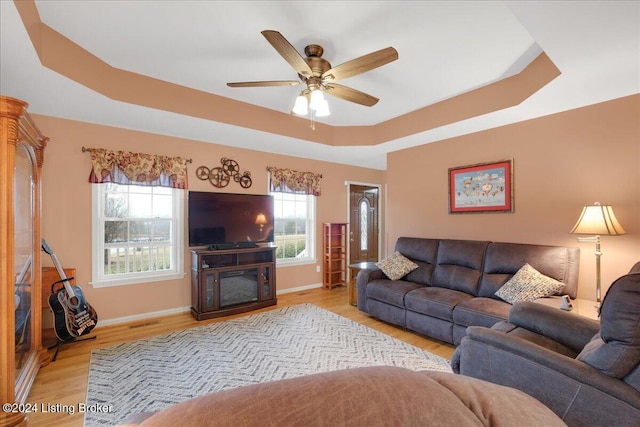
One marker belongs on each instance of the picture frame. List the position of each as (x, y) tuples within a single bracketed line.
[(482, 188)]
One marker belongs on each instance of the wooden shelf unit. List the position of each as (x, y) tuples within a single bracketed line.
[(225, 282), (334, 256)]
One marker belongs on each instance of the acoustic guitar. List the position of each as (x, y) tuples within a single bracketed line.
[(72, 314)]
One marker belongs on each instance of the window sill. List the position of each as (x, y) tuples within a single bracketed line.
[(294, 262), (134, 280)]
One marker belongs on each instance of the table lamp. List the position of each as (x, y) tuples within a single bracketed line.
[(261, 220), (599, 220)]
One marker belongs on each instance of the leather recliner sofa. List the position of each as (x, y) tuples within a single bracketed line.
[(455, 283), (587, 372)]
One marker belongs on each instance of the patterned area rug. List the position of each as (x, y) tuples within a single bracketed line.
[(154, 373)]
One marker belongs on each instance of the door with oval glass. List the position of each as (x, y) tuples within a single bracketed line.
[(363, 236)]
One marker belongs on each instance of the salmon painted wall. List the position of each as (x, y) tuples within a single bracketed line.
[(561, 163), (66, 204)]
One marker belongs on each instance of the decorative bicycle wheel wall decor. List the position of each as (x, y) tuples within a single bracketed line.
[(220, 176)]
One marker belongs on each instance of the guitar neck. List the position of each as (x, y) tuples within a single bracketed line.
[(63, 276), (25, 269)]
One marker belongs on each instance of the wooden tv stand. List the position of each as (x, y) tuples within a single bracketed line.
[(231, 281)]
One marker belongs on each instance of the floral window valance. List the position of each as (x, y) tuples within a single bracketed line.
[(122, 167), (290, 181)]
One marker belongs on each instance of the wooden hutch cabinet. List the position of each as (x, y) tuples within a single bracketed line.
[(232, 281), (21, 353), (334, 257)]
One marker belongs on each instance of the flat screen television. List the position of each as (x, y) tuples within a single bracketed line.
[(228, 218)]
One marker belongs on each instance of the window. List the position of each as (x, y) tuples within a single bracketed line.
[(364, 225), (294, 228), (137, 234)]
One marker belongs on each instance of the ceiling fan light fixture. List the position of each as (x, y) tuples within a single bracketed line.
[(323, 109), (300, 106), (317, 98), (317, 74)]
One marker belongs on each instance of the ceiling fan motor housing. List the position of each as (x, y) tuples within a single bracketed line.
[(315, 61)]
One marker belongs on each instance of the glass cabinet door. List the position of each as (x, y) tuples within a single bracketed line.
[(267, 286), (210, 289), (23, 250)]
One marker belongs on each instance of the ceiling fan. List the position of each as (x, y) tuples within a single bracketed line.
[(317, 73)]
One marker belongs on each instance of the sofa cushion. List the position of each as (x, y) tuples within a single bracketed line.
[(418, 249), (480, 312), (503, 260), (459, 265), (387, 312), (528, 284), (390, 291), (616, 350), (620, 311), (421, 251), (613, 358), (434, 301), (396, 266), (421, 275), (480, 395), (633, 379), (371, 396)]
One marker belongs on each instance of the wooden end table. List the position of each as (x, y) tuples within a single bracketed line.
[(354, 269), (581, 307)]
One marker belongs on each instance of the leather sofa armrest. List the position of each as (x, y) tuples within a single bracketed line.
[(368, 274), (516, 353), (362, 279), (571, 330)]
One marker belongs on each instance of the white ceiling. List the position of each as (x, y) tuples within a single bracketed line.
[(445, 48)]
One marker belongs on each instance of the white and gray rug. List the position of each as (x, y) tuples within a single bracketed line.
[(154, 373)]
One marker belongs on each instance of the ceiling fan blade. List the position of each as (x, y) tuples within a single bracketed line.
[(266, 83), (362, 64), (350, 94), (288, 52)]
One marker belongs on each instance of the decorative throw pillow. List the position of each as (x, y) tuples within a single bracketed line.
[(528, 284), (396, 266)]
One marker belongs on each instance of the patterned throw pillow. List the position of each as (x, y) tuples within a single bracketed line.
[(396, 266), (528, 284)]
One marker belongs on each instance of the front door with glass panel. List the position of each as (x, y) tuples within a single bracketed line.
[(363, 221)]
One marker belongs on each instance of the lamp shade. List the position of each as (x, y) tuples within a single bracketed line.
[(300, 106), (323, 109), (261, 219), (316, 99), (599, 220)]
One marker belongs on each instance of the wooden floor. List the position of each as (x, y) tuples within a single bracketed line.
[(63, 384)]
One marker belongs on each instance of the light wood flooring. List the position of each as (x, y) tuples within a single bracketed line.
[(64, 382)]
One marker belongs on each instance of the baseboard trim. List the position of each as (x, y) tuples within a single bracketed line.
[(299, 288), (142, 316), (145, 316)]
